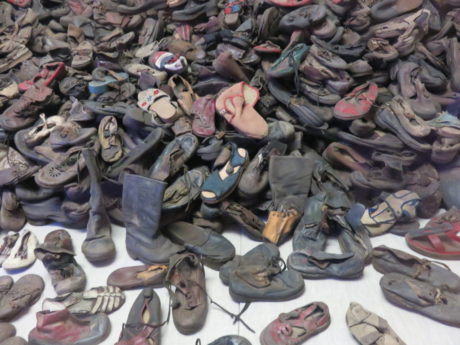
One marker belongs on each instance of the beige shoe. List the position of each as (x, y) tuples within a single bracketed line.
[(369, 328)]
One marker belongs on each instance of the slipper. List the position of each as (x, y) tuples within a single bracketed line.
[(224, 179), (158, 102), (440, 238), (236, 105), (102, 83)]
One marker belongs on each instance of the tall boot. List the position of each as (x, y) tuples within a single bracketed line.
[(141, 204), (98, 244), (290, 179)]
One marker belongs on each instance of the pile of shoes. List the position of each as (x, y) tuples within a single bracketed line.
[(310, 120)]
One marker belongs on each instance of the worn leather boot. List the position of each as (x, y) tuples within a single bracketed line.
[(98, 245), (290, 179), (141, 203)]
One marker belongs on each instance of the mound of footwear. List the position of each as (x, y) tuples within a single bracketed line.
[(306, 121)]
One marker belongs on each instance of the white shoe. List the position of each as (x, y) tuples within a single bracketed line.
[(22, 254)]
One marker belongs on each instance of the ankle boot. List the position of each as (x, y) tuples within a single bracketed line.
[(98, 245), (57, 254), (141, 204), (63, 328)]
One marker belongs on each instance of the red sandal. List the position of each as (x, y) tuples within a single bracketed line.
[(50, 72), (439, 238)]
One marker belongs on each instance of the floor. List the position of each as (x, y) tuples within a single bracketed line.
[(411, 327)]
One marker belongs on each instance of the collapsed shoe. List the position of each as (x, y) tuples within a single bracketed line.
[(23, 294), (369, 328)]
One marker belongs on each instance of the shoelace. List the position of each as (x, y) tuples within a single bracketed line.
[(235, 317)]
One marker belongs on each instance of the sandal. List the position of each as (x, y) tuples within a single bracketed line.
[(397, 206), (222, 182), (50, 72), (439, 238), (110, 139), (297, 326), (159, 103)]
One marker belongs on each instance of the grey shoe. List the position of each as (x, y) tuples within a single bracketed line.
[(317, 264), (263, 254), (277, 285), (388, 260), (213, 248), (141, 203), (309, 233)]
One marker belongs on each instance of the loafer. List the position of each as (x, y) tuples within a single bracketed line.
[(213, 249)]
